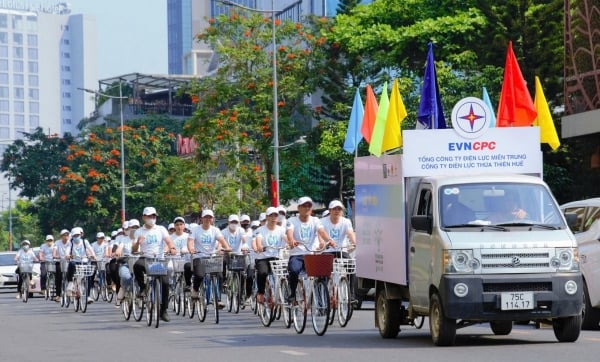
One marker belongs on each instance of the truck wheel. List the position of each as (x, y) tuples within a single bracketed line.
[(567, 329), (501, 328), (591, 315), (443, 329), (388, 316)]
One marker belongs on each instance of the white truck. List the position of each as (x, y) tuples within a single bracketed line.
[(461, 229)]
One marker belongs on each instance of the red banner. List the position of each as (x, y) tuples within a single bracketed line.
[(274, 191)]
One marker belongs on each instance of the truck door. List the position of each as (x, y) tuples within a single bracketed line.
[(420, 250)]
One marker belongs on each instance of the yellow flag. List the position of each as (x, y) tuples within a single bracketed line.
[(392, 137), (544, 118)]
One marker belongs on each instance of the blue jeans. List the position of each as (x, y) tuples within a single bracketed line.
[(295, 267), (126, 276)]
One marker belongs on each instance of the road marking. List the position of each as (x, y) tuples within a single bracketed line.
[(177, 332), (294, 353), (592, 339)]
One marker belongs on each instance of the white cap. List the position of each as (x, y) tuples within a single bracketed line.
[(281, 209), (171, 226), (336, 203), (49, 237), (271, 210), (114, 233), (325, 213), (233, 217), (120, 230), (245, 218), (100, 235), (64, 231), (178, 218), (304, 200), (262, 216), (207, 212), (134, 222), (149, 211), (255, 223), (76, 231), (125, 225), (193, 225), (25, 242)]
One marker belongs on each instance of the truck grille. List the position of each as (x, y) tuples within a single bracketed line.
[(517, 287), (493, 261)]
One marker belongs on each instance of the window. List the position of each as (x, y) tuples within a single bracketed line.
[(19, 133), (32, 53), (67, 55), (4, 106), (34, 107), (32, 40), (67, 120), (17, 22), (66, 68), (592, 217), (3, 51), (33, 81), (32, 67), (4, 119), (66, 95), (19, 120), (18, 66), (19, 93), (64, 28), (4, 133), (34, 94), (66, 41), (18, 52), (19, 106), (66, 108), (580, 212), (31, 25), (3, 78), (3, 65), (18, 79), (66, 81), (3, 37), (34, 121), (3, 21), (18, 38), (3, 92)]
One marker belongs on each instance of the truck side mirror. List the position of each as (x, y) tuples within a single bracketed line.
[(571, 219), (422, 223)]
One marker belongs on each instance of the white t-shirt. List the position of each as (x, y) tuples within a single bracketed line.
[(305, 233), (235, 238), (78, 251), (205, 241), (99, 249), (153, 244), (25, 256), (338, 232), (274, 238), (47, 250), (62, 249)]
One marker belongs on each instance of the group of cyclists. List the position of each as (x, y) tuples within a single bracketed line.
[(269, 238)]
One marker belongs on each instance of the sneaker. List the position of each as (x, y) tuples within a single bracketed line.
[(56, 299), (194, 294), (164, 316), (18, 296), (43, 292), (90, 300), (220, 305), (70, 289), (248, 301)]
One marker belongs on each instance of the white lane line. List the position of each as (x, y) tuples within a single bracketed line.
[(294, 353)]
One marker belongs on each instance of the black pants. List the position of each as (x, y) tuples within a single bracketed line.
[(20, 280), (139, 269), (112, 273), (198, 274), (263, 268)]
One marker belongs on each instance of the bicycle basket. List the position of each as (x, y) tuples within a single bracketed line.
[(84, 270), (211, 265), (344, 266), (25, 266), (156, 266), (50, 267), (64, 265), (318, 265), (131, 260), (178, 265), (101, 265), (238, 262), (279, 267)]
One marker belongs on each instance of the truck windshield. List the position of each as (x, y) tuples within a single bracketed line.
[(503, 204)]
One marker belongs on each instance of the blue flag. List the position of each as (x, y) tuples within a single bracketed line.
[(431, 112), (353, 134), (488, 102)]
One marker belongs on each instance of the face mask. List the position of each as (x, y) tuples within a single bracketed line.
[(77, 239), (281, 218), (233, 227), (25, 247), (150, 222)]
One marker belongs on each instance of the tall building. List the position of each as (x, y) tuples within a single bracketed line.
[(46, 53)]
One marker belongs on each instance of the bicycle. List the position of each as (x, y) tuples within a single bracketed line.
[(178, 292), (83, 271), (138, 304), (233, 284), (50, 279), (25, 270), (128, 295), (155, 268), (64, 299), (282, 290), (209, 288), (100, 287), (312, 292), (339, 289)]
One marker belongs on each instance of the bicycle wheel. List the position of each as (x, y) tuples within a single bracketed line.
[(138, 303), (149, 302), (64, 299), (157, 301), (235, 292), (95, 291), (84, 294), (201, 303), (284, 292), (343, 301), (190, 305), (126, 304), (25, 287), (75, 298), (215, 296), (333, 302), (299, 309), (319, 306), (265, 313), (47, 290), (227, 289), (50, 286), (108, 292)]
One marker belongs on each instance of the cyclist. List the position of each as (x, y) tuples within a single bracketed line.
[(204, 240), (302, 231), (24, 254), (150, 239), (246, 223), (100, 247), (79, 249), (120, 273), (341, 232), (281, 219), (179, 237), (46, 254), (60, 252), (269, 238)]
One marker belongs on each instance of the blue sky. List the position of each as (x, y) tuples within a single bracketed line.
[(131, 35)]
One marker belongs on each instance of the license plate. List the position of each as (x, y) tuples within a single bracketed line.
[(516, 301)]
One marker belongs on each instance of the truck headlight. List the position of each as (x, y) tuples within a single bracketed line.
[(460, 261), (566, 259)]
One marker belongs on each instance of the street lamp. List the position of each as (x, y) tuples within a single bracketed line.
[(120, 98), (276, 147)]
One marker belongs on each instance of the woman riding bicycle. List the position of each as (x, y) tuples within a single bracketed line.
[(45, 255), (24, 255)]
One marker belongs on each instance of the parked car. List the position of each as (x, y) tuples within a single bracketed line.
[(587, 233), (8, 278)]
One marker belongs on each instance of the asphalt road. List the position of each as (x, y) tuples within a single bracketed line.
[(42, 331)]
